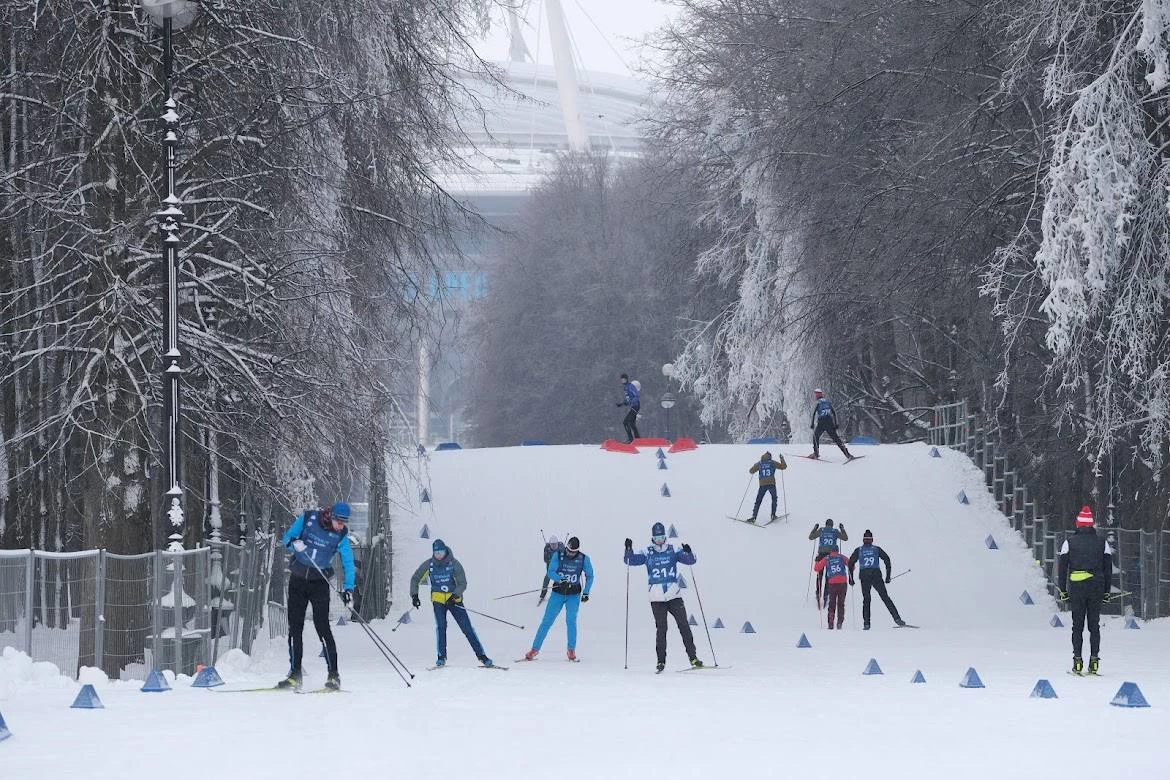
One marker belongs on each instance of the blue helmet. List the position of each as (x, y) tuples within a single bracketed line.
[(341, 510)]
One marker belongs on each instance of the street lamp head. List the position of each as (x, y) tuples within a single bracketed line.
[(667, 400), (181, 12), (668, 370)]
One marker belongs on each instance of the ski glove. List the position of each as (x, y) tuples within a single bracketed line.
[(853, 583), (455, 600), (346, 597), (298, 546), (629, 544), (686, 548), (584, 597), (887, 580), (414, 600)]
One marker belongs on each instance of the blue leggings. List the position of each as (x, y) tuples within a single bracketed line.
[(555, 602), (464, 622)]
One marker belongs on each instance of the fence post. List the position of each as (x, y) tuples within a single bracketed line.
[(156, 609), (29, 582), (99, 623)]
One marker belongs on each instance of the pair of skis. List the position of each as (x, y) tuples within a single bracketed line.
[(274, 689), (822, 460), (747, 521)]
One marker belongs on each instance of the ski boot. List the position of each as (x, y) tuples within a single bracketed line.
[(1094, 665), (571, 655), (1078, 666), (531, 655), (814, 456), (659, 667), (899, 622), (487, 662), (773, 518), (333, 682), (840, 625), (292, 682), (751, 519), (830, 626), (696, 663), (440, 662)]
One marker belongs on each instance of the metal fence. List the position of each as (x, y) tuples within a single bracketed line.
[(127, 614), (1141, 559)]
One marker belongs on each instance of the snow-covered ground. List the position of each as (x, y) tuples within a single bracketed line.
[(774, 711)]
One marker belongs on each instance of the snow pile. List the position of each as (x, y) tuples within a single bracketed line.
[(19, 672)]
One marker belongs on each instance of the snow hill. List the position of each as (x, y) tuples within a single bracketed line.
[(774, 710)]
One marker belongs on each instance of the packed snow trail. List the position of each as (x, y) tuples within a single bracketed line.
[(774, 710)]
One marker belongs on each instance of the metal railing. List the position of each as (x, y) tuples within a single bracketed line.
[(128, 613), (1141, 560)]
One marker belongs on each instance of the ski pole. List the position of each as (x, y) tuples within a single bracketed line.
[(627, 655), (482, 614), (703, 614), (379, 643), (784, 495), (521, 593), (745, 492), (896, 576), (810, 575)]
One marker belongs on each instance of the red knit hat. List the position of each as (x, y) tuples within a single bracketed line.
[(1085, 518)]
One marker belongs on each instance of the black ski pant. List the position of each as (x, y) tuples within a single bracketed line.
[(631, 425), (872, 578), (763, 491), (303, 591), (826, 427), (676, 608), (1085, 600)]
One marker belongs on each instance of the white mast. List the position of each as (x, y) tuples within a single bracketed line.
[(566, 71)]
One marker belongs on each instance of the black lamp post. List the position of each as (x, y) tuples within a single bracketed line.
[(171, 15), (668, 399)]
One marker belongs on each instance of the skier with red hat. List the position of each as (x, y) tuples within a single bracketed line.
[(1083, 575), (824, 421)]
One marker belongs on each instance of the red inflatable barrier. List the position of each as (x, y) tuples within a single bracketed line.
[(651, 442), (613, 445), (683, 444)]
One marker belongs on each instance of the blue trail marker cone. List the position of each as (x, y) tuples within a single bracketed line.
[(990, 542), (803, 641), (662, 465), (1043, 690), (1131, 623), (207, 678), (155, 682), (718, 623), (1026, 599), (4, 732), (425, 498), (691, 621), (424, 533), (963, 497), (87, 699), (1056, 622), (1128, 695), (918, 677), (971, 679), (340, 620), (934, 453), (682, 582), (660, 454), (665, 491), (671, 534), (747, 628), (872, 667)]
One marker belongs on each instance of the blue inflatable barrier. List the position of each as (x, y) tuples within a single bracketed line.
[(533, 443), (764, 440), (863, 440), (448, 445)]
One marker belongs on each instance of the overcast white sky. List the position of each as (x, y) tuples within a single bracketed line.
[(616, 25)]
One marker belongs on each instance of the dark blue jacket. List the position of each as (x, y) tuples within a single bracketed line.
[(320, 546), (633, 397)]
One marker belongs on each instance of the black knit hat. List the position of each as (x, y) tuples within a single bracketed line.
[(574, 543), (867, 536)]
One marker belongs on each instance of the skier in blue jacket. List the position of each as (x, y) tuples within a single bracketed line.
[(448, 581), (313, 539), (571, 572), (661, 561), (632, 399), (824, 421)]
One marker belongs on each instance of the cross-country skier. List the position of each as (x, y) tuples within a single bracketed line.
[(315, 536), (448, 581), (827, 539), (868, 556), (836, 569), (661, 561), (572, 572), (1083, 576), (553, 545), (824, 421), (632, 399), (766, 468)]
